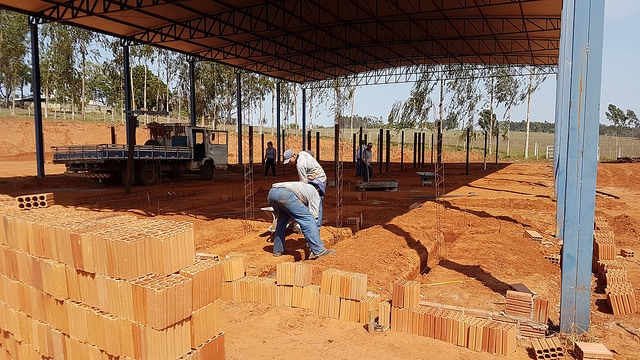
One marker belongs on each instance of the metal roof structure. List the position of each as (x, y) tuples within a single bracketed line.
[(310, 40)]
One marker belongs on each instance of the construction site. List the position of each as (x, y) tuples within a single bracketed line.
[(163, 250), (177, 271)]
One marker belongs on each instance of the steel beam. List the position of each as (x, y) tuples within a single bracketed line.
[(127, 88), (192, 91), (578, 113), (37, 102), (304, 118)]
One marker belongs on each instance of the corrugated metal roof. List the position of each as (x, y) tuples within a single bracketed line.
[(308, 40)]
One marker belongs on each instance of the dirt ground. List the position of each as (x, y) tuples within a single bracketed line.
[(483, 250)]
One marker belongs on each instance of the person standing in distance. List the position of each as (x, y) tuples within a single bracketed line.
[(367, 159), (308, 170), (270, 160), (297, 201)]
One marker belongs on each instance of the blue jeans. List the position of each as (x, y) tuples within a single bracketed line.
[(286, 205)]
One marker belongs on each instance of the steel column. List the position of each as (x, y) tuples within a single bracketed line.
[(279, 150), (127, 88), (239, 105), (37, 102), (579, 103), (304, 118), (192, 91)]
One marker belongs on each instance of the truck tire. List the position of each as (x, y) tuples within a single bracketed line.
[(146, 175), (206, 171), (114, 179)]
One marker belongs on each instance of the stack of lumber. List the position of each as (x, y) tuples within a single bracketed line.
[(27, 202), (519, 304), (549, 348), (86, 285), (588, 351)]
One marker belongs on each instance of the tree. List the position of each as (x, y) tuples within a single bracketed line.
[(13, 48), (537, 75), (487, 121), (62, 75), (466, 93), (620, 119)]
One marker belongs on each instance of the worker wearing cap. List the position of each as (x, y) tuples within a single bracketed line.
[(300, 202), (308, 169)]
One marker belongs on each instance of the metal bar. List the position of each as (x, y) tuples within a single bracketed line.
[(388, 150), (239, 105), (318, 146), (380, 146), (583, 68), (37, 102), (192, 92), (304, 118), (279, 150), (466, 167), (402, 152)]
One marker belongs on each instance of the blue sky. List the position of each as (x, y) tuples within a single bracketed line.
[(620, 75)]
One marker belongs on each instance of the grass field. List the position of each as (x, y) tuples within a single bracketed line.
[(610, 148)]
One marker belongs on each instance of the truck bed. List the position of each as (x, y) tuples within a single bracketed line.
[(104, 152)]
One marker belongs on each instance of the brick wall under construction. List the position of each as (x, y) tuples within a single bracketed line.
[(93, 285)]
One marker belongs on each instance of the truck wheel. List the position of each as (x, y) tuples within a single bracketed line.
[(115, 178), (206, 171), (147, 175)]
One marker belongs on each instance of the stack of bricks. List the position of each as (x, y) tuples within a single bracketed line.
[(494, 337), (549, 348), (588, 351), (405, 297), (540, 309), (534, 235), (341, 293), (519, 304), (554, 258), (627, 253), (604, 247), (600, 223), (621, 298), (619, 291), (83, 285), (27, 202)]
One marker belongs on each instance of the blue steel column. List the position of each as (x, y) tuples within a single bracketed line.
[(239, 104), (563, 84), (192, 91), (583, 66), (278, 120), (304, 119), (127, 89), (37, 102)]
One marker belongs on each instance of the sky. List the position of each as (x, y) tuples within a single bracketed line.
[(620, 75)]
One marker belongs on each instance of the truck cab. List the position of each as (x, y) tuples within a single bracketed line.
[(209, 147)]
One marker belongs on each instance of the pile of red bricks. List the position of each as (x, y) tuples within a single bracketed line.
[(588, 351), (549, 348), (619, 291), (527, 306), (84, 285)]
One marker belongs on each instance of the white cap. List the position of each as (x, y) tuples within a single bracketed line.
[(287, 156)]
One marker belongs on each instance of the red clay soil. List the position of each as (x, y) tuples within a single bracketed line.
[(483, 250)]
